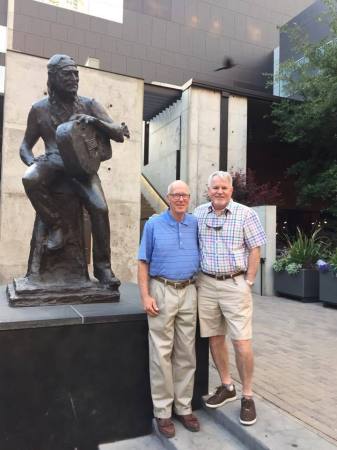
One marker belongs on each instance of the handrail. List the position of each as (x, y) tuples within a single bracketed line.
[(155, 190)]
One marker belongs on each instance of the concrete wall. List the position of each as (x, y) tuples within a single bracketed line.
[(264, 283), (237, 134), (123, 98), (198, 112), (203, 141), (163, 40), (164, 141)]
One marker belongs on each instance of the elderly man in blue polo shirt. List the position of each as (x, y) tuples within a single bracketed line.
[(168, 263)]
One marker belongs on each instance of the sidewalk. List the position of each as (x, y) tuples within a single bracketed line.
[(295, 361)]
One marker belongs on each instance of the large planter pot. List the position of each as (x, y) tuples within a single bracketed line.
[(328, 288), (302, 286)]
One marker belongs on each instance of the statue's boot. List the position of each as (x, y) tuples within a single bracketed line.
[(106, 277), (55, 239)]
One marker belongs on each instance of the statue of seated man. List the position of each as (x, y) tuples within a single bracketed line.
[(62, 105)]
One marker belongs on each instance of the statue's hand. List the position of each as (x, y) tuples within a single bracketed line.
[(84, 118), (28, 160), (125, 130)]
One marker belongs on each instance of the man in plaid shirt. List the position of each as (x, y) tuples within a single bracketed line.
[(230, 236)]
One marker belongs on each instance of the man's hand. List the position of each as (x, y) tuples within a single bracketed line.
[(150, 306)]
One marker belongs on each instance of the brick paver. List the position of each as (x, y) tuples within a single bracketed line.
[(295, 347)]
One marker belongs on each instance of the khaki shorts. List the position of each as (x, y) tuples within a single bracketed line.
[(225, 307)]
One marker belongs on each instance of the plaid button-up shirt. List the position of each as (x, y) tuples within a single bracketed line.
[(225, 240)]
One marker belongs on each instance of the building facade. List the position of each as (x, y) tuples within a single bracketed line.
[(168, 41)]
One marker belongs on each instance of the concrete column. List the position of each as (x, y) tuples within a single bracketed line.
[(203, 144), (264, 278), (164, 141), (237, 134)]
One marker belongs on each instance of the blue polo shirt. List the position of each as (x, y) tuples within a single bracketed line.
[(170, 247)]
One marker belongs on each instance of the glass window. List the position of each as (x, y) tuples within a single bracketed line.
[(3, 39), (2, 79), (106, 9)]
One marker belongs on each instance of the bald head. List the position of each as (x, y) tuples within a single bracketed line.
[(178, 196), (177, 185)]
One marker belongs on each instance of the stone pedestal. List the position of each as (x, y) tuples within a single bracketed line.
[(77, 376)]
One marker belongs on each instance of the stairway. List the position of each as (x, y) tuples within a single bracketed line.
[(151, 202), (146, 211)]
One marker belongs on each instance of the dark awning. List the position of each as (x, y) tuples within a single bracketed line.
[(158, 98)]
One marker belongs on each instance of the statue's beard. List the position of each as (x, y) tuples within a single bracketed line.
[(62, 108), (66, 95)]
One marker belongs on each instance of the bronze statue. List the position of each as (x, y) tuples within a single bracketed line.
[(76, 132)]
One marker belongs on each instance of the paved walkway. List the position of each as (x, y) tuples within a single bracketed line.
[(295, 360)]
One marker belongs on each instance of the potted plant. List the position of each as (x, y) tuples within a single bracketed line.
[(328, 279), (295, 273)]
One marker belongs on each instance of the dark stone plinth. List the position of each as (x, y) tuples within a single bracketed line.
[(77, 376), (24, 292)]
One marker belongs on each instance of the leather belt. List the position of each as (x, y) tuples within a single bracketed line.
[(176, 284), (225, 276)]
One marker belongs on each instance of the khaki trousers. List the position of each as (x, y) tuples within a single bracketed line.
[(172, 348)]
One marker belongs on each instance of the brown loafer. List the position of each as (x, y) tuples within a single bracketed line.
[(189, 421), (166, 427)]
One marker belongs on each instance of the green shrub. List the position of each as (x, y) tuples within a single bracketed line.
[(302, 252), (332, 261), (305, 250), (293, 268)]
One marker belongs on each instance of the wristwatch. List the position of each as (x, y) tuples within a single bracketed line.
[(250, 283)]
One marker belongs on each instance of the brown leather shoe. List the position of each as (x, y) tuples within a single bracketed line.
[(166, 427), (189, 421)]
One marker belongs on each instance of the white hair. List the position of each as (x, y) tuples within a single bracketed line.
[(171, 186), (219, 173)]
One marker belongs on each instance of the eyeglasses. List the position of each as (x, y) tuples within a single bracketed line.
[(178, 195), (215, 228)]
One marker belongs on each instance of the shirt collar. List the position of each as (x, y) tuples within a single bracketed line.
[(229, 207), (172, 221)]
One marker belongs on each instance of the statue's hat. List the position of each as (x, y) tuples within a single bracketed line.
[(58, 62)]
